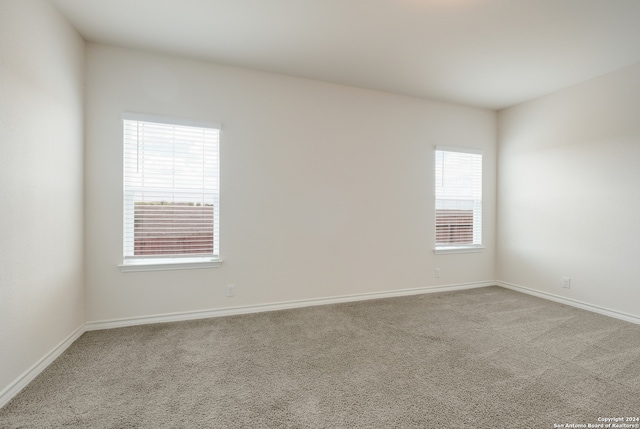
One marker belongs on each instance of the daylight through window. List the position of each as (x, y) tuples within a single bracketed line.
[(171, 189), (458, 198)]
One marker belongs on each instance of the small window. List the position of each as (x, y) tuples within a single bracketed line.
[(458, 202), (171, 193)]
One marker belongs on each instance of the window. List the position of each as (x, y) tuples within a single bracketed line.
[(171, 194), (458, 205)]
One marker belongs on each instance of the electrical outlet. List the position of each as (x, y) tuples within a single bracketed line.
[(231, 290), (566, 282), (437, 273)]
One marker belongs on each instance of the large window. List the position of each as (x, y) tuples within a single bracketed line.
[(171, 193), (458, 202)]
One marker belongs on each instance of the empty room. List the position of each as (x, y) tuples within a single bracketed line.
[(319, 213)]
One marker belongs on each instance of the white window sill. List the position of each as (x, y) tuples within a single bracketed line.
[(163, 264), (460, 249)]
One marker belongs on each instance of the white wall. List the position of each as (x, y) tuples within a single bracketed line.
[(569, 192), (326, 189), (41, 191)]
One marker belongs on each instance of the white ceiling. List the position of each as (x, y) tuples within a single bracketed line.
[(486, 53)]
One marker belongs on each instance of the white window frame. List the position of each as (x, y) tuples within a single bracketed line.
[(133, 263), (476, 202)]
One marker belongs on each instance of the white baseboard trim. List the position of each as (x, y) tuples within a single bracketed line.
[(259, 308), (571, 302), (29, 375)]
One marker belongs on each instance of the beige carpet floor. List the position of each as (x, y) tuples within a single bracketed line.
[(481, 358)]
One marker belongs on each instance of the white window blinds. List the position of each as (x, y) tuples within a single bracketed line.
[(171, 189), (458, 202)]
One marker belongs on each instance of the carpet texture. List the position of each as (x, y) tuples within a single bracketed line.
[(481, 358)]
